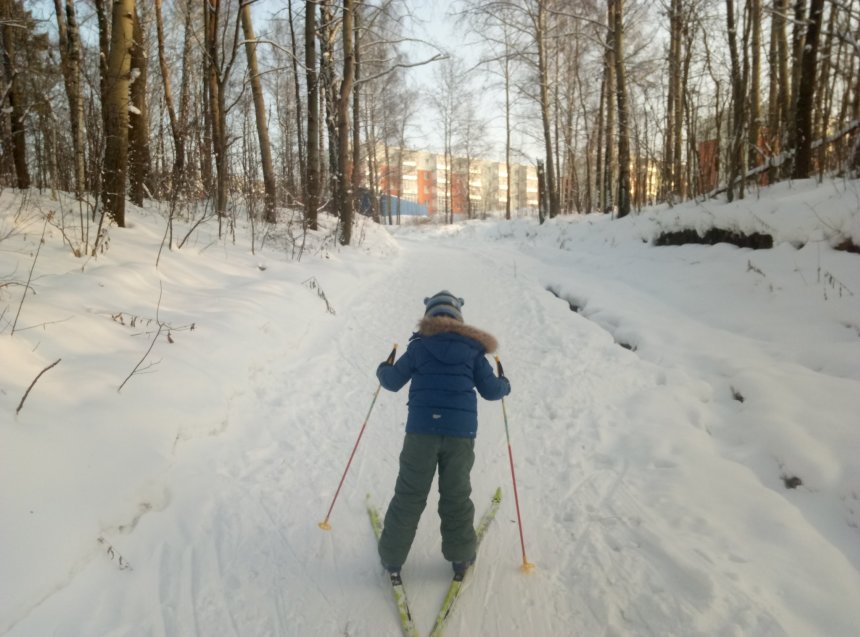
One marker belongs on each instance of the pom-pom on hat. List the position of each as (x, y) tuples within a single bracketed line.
[(444, 304)]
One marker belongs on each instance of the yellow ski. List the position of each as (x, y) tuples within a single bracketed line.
[(456, 585), (397, 588)]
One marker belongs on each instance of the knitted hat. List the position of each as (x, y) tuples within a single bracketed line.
[(444, 304)]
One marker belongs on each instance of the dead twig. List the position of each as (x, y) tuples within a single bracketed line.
[(38, 376), (313, 284), (161, 328), (140, 362), (114, 555), (30, 276)]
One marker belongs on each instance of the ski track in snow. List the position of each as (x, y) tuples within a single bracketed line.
[(616, 553)]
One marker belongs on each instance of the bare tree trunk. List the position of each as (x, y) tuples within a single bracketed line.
[(217, 114), (713, 162), (689, 32), (806, 92), (445, 99), (70, 56), (773, 106), (784, 81), (507, 72), (344, 187), (116, 110), (673, 118), (601, 145), (104, 53), (825, 88), (641, 153), (313, 155), (355, 178), (798, 37), (388, 173), (680, 74), (300, 140), (569, 184), (177, 123), (138, 148), (617, 13), (449, 195), (203, 132), (399, 179), (269, 182), (13, 98), (556, 125), (329, 97), (738, 96), (754, 154), (165, 78), (543, 213), (588, 204), (372, 160), (186, 99), (609, 157), (540, 25), (322, 129)]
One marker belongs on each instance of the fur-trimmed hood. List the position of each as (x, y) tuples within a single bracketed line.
[(430, 326)]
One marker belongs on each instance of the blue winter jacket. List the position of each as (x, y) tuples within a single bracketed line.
[(446, 361)]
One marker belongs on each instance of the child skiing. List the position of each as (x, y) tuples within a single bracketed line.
[(446, 362)]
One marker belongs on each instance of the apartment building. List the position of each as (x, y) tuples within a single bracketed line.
[(466, 188)]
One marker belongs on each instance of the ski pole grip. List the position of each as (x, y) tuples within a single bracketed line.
[(392, 355), (499, 367)]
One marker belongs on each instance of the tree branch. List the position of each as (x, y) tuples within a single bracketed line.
[(38, 376), (30, 276), (161, 326), (403, 65)]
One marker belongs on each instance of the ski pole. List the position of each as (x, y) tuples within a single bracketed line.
[(526, 566), (324, 525)]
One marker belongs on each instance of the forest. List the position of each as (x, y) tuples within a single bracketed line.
[(280, 111)]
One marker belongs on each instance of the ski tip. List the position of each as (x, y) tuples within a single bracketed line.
[(324, 525), (497, 496)]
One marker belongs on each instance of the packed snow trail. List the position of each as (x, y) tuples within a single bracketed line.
[(609, 445)]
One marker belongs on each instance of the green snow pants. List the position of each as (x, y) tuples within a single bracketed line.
[(418, 461)]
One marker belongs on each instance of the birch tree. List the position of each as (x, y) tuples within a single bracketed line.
[(115, 108), (738, 101), (138, 149), (755, 85), (344, 188), (178, 120), (539, 22), (269, 182), (446, 103), (70, 61), (221, 56), (313, 101), (496, 25), (616, 11)]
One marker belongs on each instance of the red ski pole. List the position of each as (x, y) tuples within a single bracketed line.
[(526, 565), (324, 525)]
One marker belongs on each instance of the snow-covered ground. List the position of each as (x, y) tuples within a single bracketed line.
[(655, 429)]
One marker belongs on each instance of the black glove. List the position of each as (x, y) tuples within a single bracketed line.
[(390, 359), (501, 371)]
